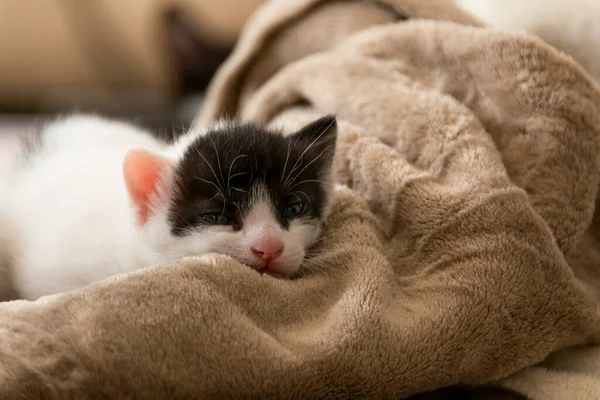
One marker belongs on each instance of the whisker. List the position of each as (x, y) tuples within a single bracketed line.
[(309, 266), (314, 141), (307, 181), (210, 166), (218, 160), (210, 183), (321, 238), (218, 194), (305, 195), (312, 262), (237, 205), (300, 273), (317, 259), (239, 173), (296, 165), (317, 254), (307, 165), (286, 159), (297, 198), (234, 175)]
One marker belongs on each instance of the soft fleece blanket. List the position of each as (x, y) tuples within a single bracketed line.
[(462, 251)]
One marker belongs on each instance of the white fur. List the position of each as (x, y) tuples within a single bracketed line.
[(73, 222), (571, 26), (70, 209)]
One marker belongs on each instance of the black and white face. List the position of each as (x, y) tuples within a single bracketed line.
[(254, 194)]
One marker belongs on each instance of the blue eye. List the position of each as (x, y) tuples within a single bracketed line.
[(216, 218), (293, 210)]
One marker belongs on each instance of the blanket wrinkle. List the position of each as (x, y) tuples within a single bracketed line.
[(311, 25), (460, 257)]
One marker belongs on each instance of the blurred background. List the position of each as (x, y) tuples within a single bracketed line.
[(150, 61)]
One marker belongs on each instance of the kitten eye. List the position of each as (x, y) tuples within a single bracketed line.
[(216, 218), (293, 210)]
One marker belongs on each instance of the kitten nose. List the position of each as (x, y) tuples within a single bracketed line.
[(267, 248)]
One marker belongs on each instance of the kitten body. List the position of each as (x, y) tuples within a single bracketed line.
[(96, 198)]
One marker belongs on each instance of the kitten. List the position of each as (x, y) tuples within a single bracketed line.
[(96, 198)]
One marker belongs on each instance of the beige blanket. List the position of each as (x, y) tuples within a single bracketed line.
[(463, 246)]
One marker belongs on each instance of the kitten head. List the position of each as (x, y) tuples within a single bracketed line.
[(240, 190)]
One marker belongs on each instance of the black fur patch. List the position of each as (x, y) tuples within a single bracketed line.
[(221, 170)]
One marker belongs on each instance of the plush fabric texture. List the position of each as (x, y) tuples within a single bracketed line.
[(461, 251)]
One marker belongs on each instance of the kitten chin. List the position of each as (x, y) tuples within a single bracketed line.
[(251, 193)]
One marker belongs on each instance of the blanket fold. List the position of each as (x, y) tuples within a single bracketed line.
[(462, 247)]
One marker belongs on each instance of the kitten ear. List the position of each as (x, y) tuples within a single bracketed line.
[(320, 137), (146, 174)]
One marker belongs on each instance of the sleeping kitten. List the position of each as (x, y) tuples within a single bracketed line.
[(96, 198)]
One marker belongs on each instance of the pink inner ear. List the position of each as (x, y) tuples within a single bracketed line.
[(143, 171)]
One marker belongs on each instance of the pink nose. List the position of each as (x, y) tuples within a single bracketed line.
[(267, 248)]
